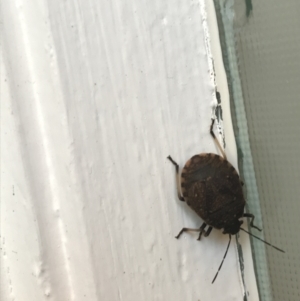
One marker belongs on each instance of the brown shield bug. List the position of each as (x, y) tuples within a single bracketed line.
[(211, 186)]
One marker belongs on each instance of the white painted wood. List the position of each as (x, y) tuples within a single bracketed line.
[(94, 96), (250, 285)]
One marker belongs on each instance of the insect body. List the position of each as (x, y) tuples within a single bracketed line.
[(211, 186)]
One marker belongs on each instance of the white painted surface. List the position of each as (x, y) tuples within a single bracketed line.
[(94, 96)]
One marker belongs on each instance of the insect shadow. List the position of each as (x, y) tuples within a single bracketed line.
[(211, 186)]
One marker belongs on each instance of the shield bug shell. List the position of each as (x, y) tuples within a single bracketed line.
[(211, 186)]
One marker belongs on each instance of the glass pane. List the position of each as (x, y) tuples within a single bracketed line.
[(261, 50)]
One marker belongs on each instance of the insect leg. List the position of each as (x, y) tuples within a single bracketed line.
[(177, 178), (208, 231), (216, 140), (185, 230), (201, 230), (251, 221)]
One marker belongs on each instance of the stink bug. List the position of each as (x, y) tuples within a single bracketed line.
[(211, 186)]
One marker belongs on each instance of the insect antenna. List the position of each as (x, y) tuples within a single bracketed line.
[(222, 260), (267, 243)]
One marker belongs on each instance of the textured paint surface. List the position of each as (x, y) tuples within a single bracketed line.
[(96, 95)]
